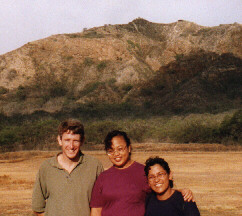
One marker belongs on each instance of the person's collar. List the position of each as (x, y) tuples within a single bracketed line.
[(54, 161)]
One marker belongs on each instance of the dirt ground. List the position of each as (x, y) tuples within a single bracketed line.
[(214, 177)]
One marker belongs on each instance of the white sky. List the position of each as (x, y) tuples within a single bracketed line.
[(22, 21)]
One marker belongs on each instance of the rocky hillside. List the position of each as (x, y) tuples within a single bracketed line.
[(179, 66)]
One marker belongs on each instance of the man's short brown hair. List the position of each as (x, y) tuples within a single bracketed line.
[(73, 126)]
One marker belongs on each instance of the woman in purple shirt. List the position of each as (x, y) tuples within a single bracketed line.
[(121, 190)]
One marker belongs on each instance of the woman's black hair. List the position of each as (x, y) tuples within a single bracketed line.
[(112, 134), (157, 160)]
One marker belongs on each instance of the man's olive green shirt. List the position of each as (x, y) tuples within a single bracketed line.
[(59, 193)]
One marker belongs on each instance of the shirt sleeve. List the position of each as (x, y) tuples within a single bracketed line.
[(97, 197), (99, 168), (38, 198), (190, 209)]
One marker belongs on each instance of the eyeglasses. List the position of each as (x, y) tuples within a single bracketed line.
[(118, 150), (159, 176)]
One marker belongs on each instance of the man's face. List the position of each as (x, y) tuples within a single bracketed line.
[(70, 144), (158, 179)]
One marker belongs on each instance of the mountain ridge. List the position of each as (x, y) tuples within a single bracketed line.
[(112, 63)]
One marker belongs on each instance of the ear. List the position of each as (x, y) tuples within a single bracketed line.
[(59, 140), (129, 149), (171, 175)]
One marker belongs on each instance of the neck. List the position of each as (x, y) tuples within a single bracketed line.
[(67, 163), (166, 194), (128, 164)]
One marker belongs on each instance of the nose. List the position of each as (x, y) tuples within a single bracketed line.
[(116, 152), (157, 179), (71, 144)]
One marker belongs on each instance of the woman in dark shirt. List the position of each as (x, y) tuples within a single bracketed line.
[(163, 200)]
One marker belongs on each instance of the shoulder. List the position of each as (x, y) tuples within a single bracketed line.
[(92, 161), (88, 158), (189, 208), (47, 163), (139, 165), (138, 169), (107, 172), (177, 195)]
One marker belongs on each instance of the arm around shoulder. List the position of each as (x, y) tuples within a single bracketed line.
[(187, 195)]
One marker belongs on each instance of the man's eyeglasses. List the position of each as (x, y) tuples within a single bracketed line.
[(118, 150)]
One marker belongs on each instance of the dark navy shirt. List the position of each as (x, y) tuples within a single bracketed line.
[(173, 206)]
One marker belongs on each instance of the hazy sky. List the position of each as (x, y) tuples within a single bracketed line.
[(22, 21)]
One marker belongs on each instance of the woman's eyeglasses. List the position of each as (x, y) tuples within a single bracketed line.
[(118, 150)]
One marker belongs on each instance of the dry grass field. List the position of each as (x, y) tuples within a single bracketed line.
[(215, 177)]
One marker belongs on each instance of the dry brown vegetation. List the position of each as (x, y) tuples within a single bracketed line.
[(214, 177), (118, 64)]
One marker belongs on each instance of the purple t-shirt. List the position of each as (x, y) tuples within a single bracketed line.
[(121, 192)]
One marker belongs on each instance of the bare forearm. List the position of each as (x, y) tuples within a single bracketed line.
[(39, 213), (96, 211)]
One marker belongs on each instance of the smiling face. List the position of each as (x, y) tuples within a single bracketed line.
[(70, 144), (119, 154), (158, 180)]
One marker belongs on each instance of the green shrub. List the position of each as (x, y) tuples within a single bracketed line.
[(137, 132), (57, 90), (231, 128), (74, 35), (131, 43), (21, 93), (12, 74), (92, 34), (28, 135), (96, 131), (89, 88), (179, 57), (8, 136), (196, 132)]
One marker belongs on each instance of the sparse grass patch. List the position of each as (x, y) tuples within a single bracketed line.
[(12, 74), (74, 35), (102, 65), (21, 93), (92, 34), (5, 179), (68, 58), (127, 87), (3, 90), (88, 61), (89, 88)]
